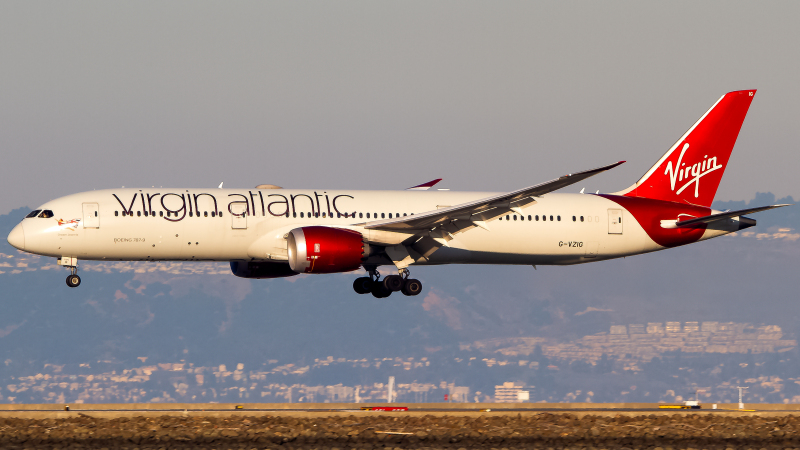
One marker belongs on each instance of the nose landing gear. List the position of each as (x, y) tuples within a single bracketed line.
[(73, 280), (391, 283)]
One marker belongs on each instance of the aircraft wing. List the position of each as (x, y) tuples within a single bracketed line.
[(485, 209), (724, 215), (431, 230)]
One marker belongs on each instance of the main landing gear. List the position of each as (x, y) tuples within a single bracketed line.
[(391, 283)]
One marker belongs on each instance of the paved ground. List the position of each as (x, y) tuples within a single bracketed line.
[(346, 426)]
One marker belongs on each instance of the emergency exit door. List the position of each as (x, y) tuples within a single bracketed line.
[(91, 215), (614, 221)]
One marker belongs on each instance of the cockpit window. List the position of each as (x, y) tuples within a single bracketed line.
[(33, 213), (46, 214)]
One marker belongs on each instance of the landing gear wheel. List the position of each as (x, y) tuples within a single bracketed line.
[(362, 285), (393, 283), (412, 287), (378, 291), (73, 281)]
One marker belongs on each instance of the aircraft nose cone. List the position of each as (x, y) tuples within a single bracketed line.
[(17, 237)]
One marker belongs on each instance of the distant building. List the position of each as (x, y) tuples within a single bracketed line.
[(710, 327), (655, 328), (691, 327), (673, 327), (510, 392), (619, 329), (636, 329)]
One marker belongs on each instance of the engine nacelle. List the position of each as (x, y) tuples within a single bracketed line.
[(261, 269), (325, 250)]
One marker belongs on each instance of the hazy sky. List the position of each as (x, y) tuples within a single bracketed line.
[(373, 95)]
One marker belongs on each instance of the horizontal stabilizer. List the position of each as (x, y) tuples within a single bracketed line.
[(724, 215)]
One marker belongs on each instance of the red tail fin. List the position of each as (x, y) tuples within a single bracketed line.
[(691, 170)]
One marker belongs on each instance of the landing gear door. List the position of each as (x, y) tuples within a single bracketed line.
[(91, 215), (614, 221), (238, 216)]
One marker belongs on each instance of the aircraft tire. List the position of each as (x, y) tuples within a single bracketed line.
[(412, 287), (393, 283), (362, 285), (73, 281), (378, 291)]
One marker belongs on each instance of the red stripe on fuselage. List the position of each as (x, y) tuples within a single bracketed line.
[(649, 213)]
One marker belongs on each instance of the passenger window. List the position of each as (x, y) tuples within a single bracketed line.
[(404, 214), (383, 215), (116, 213), (161, 214), (515, 217), (508, 217), (537, 217), (145, 213), (95, 213), (573, 218), (581, 218), (205, 213), (139, 213), (301, 215), (294, 214), (219, 214), (360, 215), (33, 213), (529, 217), (390, 215), (551, 218), (367, 215), (559, 218)]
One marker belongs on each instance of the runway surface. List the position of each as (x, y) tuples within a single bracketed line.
[(430, 426)]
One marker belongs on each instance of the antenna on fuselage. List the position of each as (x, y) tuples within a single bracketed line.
[(220, 185)]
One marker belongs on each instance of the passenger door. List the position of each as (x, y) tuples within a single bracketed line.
[(91, 215), (238, 216), (614, 221)]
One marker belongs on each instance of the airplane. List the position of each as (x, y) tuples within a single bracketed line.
[(271, 232)]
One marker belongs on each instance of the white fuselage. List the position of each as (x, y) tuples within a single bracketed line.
[(184, 224)]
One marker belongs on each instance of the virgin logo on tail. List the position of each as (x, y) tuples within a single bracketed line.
[(712, 139), (696, 171)]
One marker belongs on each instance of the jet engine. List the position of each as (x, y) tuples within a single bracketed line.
[(325, 250), (261, 269)]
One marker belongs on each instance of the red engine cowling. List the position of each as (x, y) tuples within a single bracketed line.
[(325, 250)]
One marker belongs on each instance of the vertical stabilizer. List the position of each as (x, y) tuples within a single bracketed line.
[(690, 172)]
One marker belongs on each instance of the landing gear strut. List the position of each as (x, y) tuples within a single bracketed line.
[(391, 283), (73, 280)]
